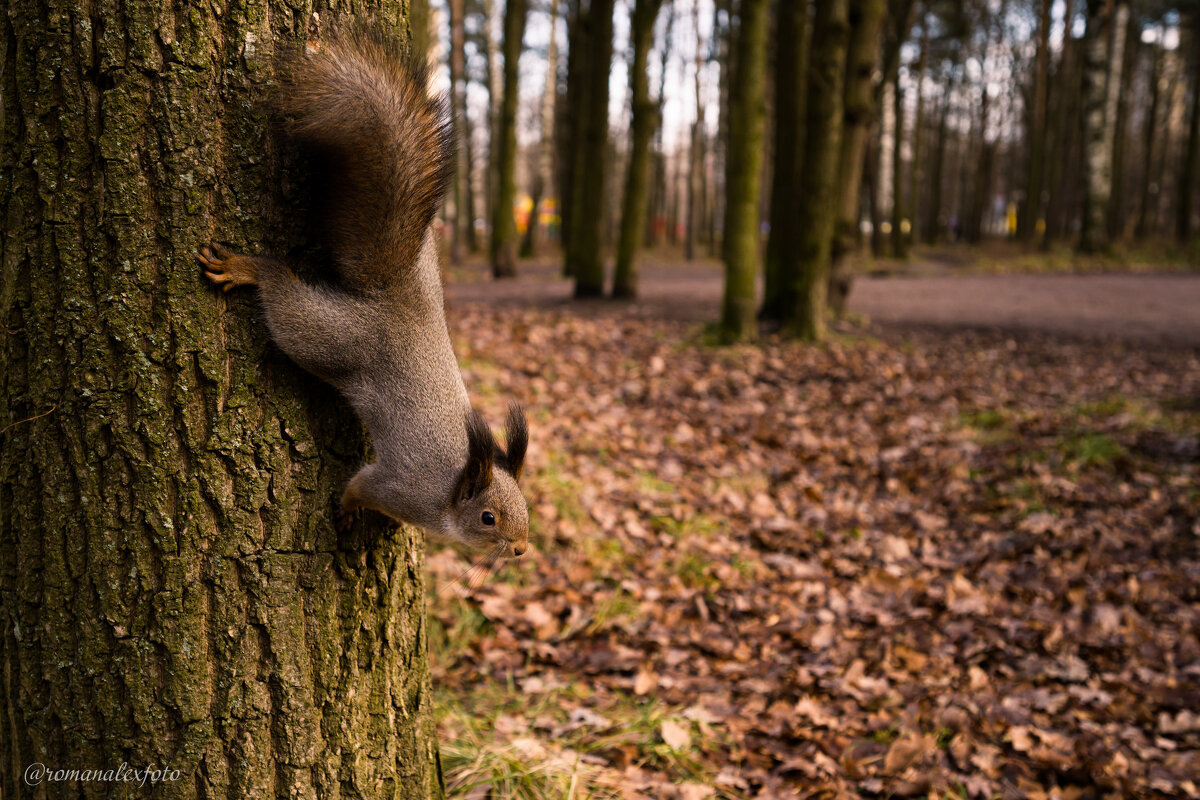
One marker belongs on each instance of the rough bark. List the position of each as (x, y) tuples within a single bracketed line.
[(858, 109), (174, 594), (743, 173), (1027, 223), (791, 64), (586, 250), (645, 122), (818, 187), (504, 227)]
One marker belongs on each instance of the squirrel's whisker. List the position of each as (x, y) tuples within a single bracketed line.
[(474, 576)]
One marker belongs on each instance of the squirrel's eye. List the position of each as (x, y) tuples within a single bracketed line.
[(488, 518)]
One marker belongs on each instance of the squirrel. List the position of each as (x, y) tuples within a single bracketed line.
[(379, 335)]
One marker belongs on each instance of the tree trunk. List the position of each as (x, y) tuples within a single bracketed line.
[(1102, 74), (1191, 156), (791, 65), (934, 225), (1146, 210), (504, 228), (697, 182), (916, 178), (174, 592), (420, 30), (645, 121), (544, 172), (1027, 223), (818, 186), (570, 128), (458, 99), (858, 109), (586, 250), (899, 207), (743, 175), (1063, 138), (1116, 203), (723, 40), (495, 85)]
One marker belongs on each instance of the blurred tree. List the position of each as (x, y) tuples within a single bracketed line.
[(916, 174), (543, 170), (697, 172), (1031, 208), (791, 64), (857, 107), (570, 114), (174, 592), (1150, 144), (1190, 167), (504, 229), (461, 190), (420, 26), (899, 204), (743, 172), (824, 117), (585, 251), (646, 120), (1104, 49)]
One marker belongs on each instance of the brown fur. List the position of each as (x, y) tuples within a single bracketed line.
[(380, 336)]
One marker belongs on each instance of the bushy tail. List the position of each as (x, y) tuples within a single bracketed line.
[(387, 144)]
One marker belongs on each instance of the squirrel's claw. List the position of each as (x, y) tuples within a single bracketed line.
[(224, 267)]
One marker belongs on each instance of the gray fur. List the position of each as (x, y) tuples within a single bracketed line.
[(381, 336)]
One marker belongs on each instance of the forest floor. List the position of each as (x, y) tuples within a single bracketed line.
[(928, 558)]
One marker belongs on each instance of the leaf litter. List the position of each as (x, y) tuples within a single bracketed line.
[(905, 563)]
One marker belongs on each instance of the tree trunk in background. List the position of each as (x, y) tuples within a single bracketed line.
[(586, 250), (1027, 222), (933, 225), (504, 228), (1191, 156), (899, 206), (858, 109), (819, 182), (915, 180), (1102, 75), (495, 86), (697, 176), (420, 29), (544, 171), (570, 128), (645, 122), (174, 592), (1066, 98), (743, 172), (722, 39), (458, 100), (1116, 206), (1145, 223), (791, 65)]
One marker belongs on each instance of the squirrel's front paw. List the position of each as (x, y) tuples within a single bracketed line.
[(223, 266)]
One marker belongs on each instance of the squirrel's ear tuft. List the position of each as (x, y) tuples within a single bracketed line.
[(516, 435), (481, 447)]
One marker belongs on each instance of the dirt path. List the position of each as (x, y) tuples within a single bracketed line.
[(1150, 308)]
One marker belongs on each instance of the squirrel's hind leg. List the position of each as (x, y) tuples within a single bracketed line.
[(320, 328)]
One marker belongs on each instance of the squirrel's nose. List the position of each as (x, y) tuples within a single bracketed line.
[(518, 549)]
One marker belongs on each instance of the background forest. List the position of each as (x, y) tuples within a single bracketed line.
[(948, 553)]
